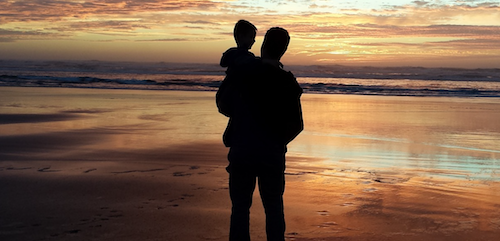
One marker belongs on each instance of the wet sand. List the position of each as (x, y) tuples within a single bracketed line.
[(87, 164)]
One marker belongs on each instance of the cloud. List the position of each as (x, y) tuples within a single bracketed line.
[(108, 17), (202, 22), (111, 24), (7, 35), (438, 13), (6, 40), (311, 32), (56, 10), (469, 44), (464, 47), (318, 28), (158, 15), (420, 3), (165, 40), (178, 39)]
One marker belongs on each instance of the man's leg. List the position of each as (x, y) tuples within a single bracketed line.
[(241, 186), (272, 187)]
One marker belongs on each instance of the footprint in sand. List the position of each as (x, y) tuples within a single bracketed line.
[(148, 170), (201, 172), (323, 213), (176, 200), (347, 195), (369, 190), (90, 170), (115, 214), (191, 168), (390, 180), (346, 204), (46, 169), (65, 233), (291, 236), (111, 214), (221, 188), (181, 174), (495, 224), (15, 168), (106, 216), (327, 224)]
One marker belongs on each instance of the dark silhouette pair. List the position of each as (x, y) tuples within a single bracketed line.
[(262, 102)]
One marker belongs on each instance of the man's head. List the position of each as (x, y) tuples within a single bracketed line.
[(275, 43), (244, 34)]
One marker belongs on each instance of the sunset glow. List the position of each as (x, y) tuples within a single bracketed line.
[(446, 33)]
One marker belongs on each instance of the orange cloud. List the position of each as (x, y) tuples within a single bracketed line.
[(55, 10), (14, 35)]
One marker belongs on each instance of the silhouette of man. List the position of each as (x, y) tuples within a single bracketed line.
[(263, 105)]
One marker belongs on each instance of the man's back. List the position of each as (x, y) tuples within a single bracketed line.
[(266, 110)]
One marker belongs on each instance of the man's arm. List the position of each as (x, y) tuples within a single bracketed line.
[(294, 123), (227, 58)]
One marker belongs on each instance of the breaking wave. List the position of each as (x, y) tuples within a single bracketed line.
[(335, 79)]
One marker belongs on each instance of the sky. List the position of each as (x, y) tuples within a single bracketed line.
[(433, 33)]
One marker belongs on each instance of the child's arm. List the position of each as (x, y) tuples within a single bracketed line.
[(228, 57)]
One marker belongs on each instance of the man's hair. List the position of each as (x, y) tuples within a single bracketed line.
[(243, 27), (276, 42)]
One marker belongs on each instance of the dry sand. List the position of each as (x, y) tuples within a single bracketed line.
[(85, 164)]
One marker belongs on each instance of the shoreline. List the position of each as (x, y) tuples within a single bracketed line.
[(311, 85), (493, 97)]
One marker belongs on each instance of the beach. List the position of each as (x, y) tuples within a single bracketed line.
[(110, 164)]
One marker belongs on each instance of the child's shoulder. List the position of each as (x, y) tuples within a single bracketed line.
[(236, 56), (238, 52), (231, 50)]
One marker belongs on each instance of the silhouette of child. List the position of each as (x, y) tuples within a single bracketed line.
[(244, 34)]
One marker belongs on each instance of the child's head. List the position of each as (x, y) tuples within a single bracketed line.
[(244, 34)]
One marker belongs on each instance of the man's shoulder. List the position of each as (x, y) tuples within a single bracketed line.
[(287, 74), (274, 71), (276, 78)]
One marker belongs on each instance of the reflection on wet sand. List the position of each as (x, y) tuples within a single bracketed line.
[(426, 135)]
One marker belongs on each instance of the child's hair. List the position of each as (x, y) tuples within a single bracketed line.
[(276, 42), (243, 27)]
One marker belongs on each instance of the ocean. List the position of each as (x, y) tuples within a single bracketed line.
[(322, 79)]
